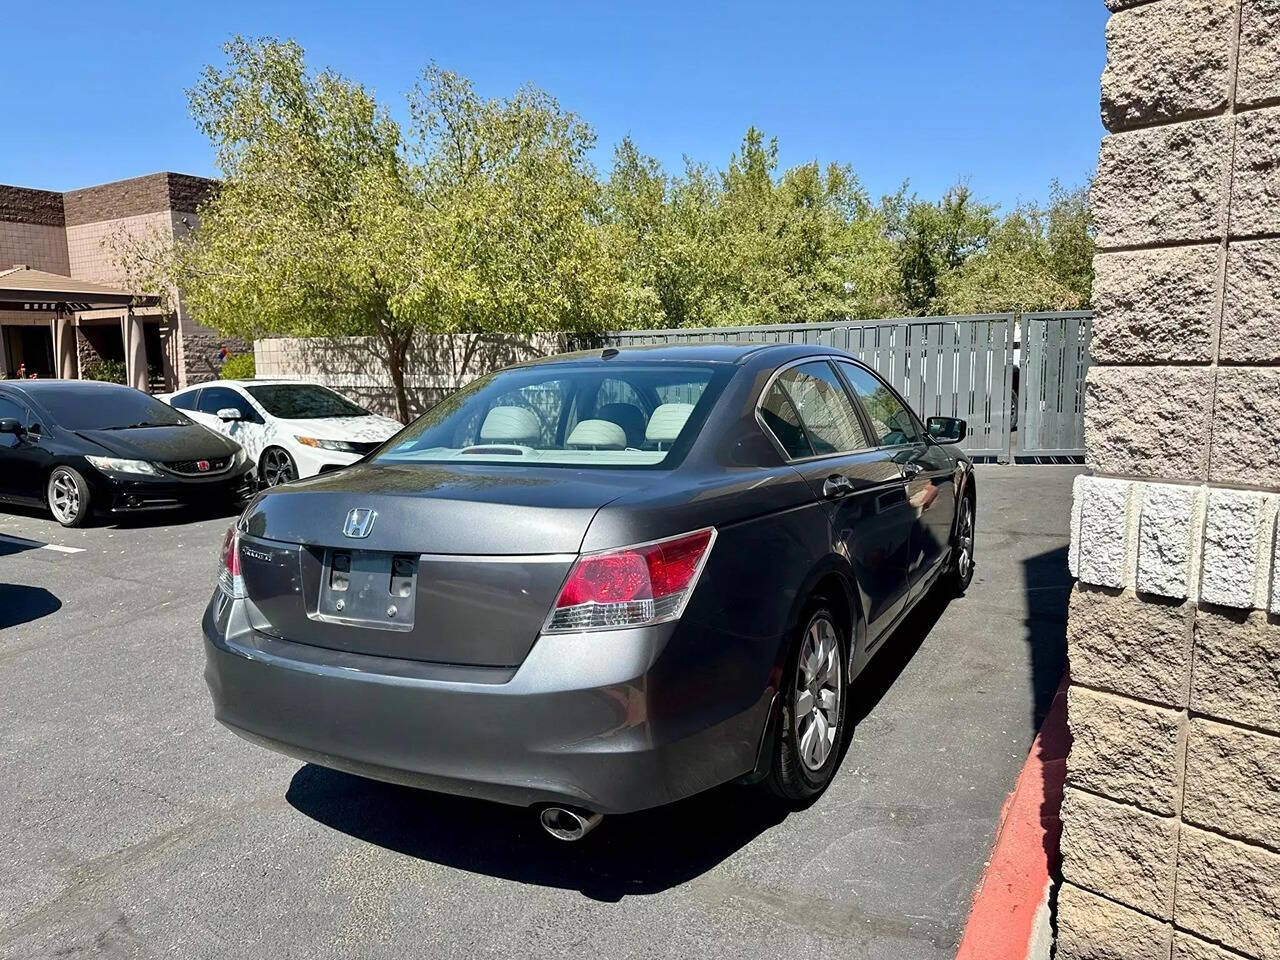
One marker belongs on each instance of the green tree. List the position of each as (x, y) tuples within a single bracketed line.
[(932, 240), (330, 222), (1038, 258)]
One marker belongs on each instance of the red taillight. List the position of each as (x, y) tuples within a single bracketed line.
[(631, 586), (229, 579)]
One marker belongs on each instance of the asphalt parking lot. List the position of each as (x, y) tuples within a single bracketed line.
[(132, 825)]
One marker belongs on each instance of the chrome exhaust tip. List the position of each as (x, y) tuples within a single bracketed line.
[(567, 823)]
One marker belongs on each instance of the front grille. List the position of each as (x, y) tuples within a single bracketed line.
[(362, 447), (191, 468)]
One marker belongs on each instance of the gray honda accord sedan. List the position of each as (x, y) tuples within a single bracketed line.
[(596, 583)]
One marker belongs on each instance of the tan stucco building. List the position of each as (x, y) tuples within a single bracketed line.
[(65, 235)]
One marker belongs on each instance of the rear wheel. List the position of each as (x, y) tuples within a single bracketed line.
[(811, 725), (68, 497), (960, 573), (276, 467)]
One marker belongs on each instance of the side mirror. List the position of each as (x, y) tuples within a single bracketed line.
[(947, 429), (11, 425), (228, 414)]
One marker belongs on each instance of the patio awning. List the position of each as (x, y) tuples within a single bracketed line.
[(22, 288)]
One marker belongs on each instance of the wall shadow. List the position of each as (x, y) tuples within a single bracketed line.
[(1048, 582), (22, 604)]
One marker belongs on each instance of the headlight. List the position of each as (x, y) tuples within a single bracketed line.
[(240, 457), (116, 465), (341, 446)]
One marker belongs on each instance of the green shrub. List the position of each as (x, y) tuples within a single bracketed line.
[(108, 371), (239, 366)]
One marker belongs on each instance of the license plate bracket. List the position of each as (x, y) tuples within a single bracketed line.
[(367, 588)]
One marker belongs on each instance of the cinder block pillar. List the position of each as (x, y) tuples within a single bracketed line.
[(135, 350), (1171, 819)]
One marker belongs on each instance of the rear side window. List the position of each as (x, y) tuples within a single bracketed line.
[(185, 401), (824, 408), (779, 415), (891, 421)]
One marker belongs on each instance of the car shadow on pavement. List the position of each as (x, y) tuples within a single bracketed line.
[(141, 520), (21, 604), (636, 854)]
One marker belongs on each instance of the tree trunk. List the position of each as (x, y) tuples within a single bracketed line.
[(397, 354)]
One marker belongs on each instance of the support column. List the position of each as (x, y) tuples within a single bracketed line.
[(64, 345), (135, 350), (1171, 813)]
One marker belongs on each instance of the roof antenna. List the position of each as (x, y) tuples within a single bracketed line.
[(608, 353)]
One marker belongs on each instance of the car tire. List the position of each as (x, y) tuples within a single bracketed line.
[(276, 466), (806, 751), (67, 496), (960, 570)]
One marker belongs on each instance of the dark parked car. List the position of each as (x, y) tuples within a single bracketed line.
[(81, 447), (595, 583)]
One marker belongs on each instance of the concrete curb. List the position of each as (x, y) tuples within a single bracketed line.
[(1011, 914)]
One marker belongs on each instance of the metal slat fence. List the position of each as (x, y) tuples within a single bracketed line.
[(1053, 363), (954, 366)]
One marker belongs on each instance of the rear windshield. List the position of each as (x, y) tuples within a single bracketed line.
[(590, 415), (304, 401), (108, 408)]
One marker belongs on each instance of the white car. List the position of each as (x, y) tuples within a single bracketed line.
[(289, 429)]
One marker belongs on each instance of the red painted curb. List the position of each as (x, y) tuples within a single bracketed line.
[(1011, 891)]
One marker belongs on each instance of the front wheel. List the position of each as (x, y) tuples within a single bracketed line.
[(68, 497), (276, 467), (811, 725)]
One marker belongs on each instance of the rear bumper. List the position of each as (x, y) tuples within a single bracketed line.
[(595, 720)]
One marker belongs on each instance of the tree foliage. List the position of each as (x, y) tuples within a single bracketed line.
[(486, 217)]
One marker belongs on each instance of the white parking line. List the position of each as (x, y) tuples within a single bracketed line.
[(37, 545)]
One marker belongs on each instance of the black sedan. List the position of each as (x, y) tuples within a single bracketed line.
[(597, 582), (81, 448)]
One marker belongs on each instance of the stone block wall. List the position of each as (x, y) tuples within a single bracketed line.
[(1171, 815)]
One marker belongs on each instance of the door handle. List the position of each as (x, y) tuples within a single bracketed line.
[(836, 486), (911, 469)]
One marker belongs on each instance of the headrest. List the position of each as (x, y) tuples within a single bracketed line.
[(667, 422), (597, 435), (509, 424), (626, 415)]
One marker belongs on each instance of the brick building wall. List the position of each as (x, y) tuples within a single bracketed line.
[(1171, 817)]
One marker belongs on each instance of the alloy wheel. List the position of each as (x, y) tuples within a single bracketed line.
[(278, 468), (819, 686), (964, 540), (64, 498)]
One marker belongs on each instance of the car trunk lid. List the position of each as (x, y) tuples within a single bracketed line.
[(459, 564)]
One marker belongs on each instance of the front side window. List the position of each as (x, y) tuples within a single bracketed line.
[(891, 421), (213, 399), (584, 414), (824, 407), (10, 408)]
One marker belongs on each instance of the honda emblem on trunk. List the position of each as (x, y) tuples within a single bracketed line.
[(202, 466), (359, 522)]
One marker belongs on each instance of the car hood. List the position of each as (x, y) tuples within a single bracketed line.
[(367, 429), (443, 508), (164, 444)]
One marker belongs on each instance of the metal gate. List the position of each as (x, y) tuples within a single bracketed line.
[(1053, 359), (943, 366)]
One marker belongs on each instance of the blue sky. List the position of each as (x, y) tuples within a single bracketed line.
[(1002, 93)]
